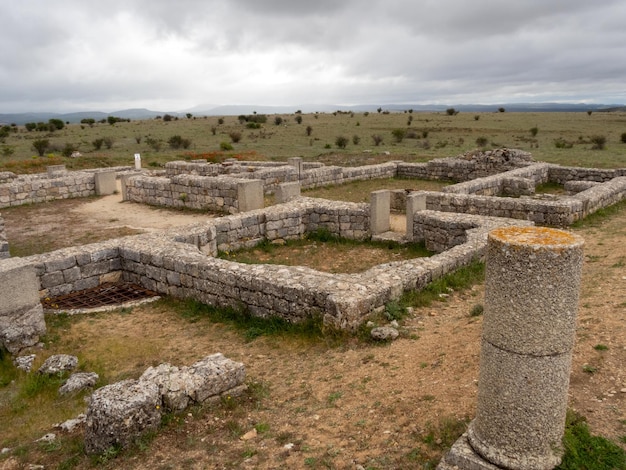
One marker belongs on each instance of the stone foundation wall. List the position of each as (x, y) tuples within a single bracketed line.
[(4, 244), (220, 194), (58, 183), (176, 263), (508, 182), (563, 174)]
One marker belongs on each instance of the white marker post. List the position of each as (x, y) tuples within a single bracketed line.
[(137, 161)]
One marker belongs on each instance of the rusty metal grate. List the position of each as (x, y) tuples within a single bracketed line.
[(104, 295)]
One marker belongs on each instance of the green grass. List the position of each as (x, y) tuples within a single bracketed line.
[(445, 136), (583, 451), (600, 216), (461, 279), (251, 327)]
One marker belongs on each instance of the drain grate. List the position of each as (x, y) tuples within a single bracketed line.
[(103, 295)]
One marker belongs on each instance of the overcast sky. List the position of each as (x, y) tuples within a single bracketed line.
[(171, 55)]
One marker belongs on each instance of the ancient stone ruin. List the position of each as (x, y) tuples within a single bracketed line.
[(532, 285)]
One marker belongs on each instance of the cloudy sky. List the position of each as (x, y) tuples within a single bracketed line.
[(69, 55)]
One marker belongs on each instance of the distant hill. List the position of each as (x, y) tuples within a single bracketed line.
[(234, 110)]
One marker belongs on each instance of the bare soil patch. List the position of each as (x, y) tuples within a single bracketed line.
[(379, 406)]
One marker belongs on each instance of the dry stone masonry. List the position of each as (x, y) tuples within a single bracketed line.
[(532, 284), (181, 262)]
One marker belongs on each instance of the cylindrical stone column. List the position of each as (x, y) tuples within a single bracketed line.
[(531, 300)]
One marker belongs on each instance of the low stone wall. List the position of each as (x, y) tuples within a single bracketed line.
[(220, 194), (4, 244), (57, 183), (175, 263), (558, 212), (563, 174), (514, 182)]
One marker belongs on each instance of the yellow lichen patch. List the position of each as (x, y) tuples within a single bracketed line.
[(534, 236)]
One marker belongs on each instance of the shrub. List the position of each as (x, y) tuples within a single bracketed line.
[(341, 141), (309, 129), (501, 110), (398, 134), (97, 143), (168, 117), (235, 136), (299, 119), (220, 121), (226, 146), (69, 149), (177, 142), (41, 145), (451, 112), (108, 142), (476, 117), (623, 138), (278, 120), (378, 139), (154, 144), (598, 141), (482, 141), (561, 143), (533, 131), (213, 130), (253, 125), (356, 139)]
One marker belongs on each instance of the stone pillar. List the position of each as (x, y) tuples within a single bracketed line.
[(21, 314), (380, 211), (105, 183), (415, 202), (287, 191), (137, 161), (124, 186), (250, 195), (296, 162), (531, 299)]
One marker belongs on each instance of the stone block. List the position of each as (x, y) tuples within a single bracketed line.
[(285, 192), (120, 413), (380, 211), (105, 183), (250, 195)]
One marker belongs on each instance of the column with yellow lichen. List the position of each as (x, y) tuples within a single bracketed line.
[(532, 287)]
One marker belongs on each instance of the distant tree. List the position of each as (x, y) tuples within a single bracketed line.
[(30, 126), (501, 110), (168, 117), (44, 127), (89, 121), (451, 112), (189, 115), (379, 110), (41, 145), (589, 112), (56, 123), (341, 141)]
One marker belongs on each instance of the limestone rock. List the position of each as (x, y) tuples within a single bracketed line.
[(58, 363), (22, 328), (78, 382), (71, 424), (217, 375), (121, 412), (384, 333), (24, 363)]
